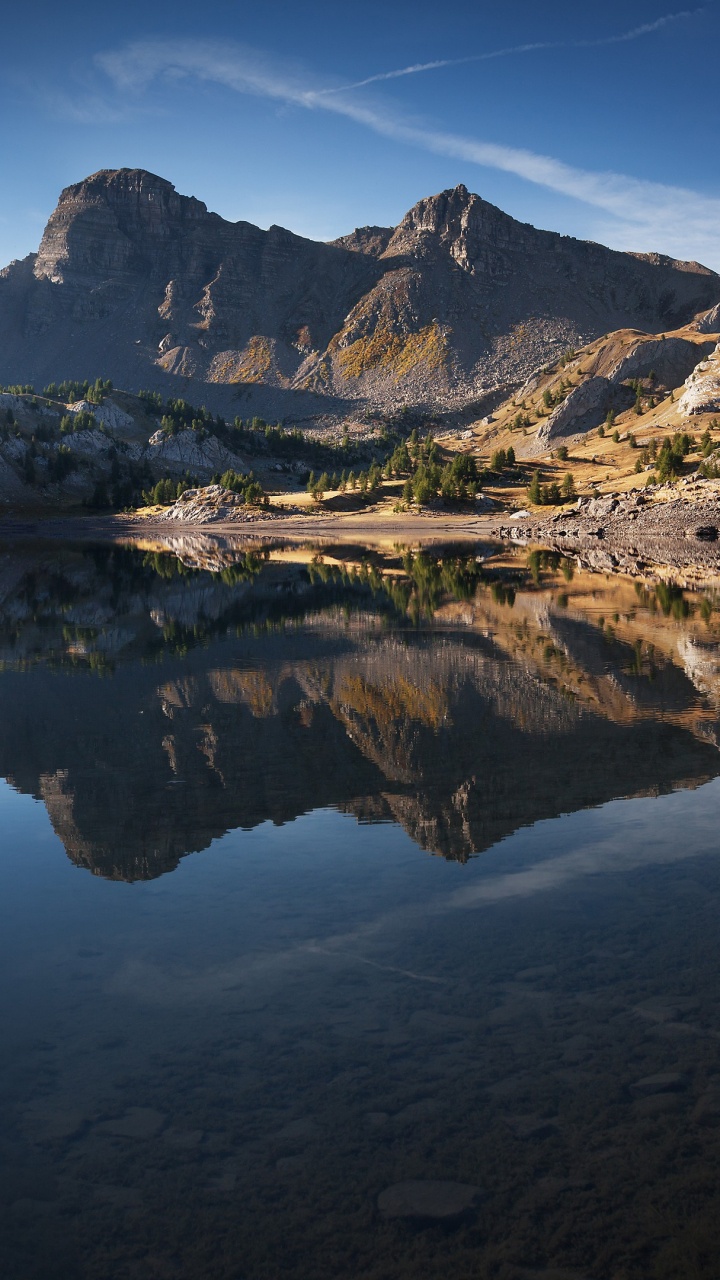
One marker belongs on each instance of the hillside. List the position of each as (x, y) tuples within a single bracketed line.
[(608, 413), (449, 310), (81, 445)]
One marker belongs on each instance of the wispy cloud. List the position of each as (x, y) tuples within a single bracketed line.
[(646, 29), (644, 215)]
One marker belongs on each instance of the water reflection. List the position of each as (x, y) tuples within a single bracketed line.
[(156, 700), (225, 1073)]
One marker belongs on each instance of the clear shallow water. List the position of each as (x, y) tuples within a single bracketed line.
[(240, 996)]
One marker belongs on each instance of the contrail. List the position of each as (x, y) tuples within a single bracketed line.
[(645, 214), (646, 29)]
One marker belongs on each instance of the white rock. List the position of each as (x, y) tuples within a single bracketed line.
[(109, 414), (186, 451), (710, 322), (210, 505), (702, 388)]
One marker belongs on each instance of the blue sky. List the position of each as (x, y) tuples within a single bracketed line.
[(598, 121)]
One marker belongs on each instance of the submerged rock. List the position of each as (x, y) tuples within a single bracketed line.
[(440, 1201), (662, 1082), (137, 1122)]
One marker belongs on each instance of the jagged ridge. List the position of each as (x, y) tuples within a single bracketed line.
[(139, 283)]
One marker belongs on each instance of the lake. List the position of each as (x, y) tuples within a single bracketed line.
[(359, 915)]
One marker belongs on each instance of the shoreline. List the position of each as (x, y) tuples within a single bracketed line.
[(629, 535), (620, 533), (439, 526)]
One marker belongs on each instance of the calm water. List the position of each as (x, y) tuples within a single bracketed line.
[(328, 869)]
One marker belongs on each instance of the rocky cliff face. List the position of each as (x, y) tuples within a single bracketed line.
[(143, 285)]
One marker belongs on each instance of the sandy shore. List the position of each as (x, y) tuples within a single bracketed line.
[(362, 527)]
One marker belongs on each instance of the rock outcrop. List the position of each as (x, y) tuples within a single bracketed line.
[(212, 504), (666, 361), (702, 388), (584, 408), (54, 455), (136, 282), (710, 323), (109, 414), (186, 452)]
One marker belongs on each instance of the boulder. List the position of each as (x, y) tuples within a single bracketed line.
[(210, 505)]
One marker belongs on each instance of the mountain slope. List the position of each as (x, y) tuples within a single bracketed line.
[(143, 285)]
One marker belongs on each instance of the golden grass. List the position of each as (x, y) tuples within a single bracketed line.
[(399, 353)]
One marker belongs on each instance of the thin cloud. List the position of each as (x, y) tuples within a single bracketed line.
[(650, 215), (91, 109), (646, 29)]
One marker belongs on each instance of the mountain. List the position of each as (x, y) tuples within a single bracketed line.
[(453, 306)]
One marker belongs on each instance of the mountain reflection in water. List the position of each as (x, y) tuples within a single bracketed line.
[(154, 701), (225, 1073)]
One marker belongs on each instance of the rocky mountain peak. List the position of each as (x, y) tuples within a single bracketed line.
[(455, 221), (145, 286), (96, 220)]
